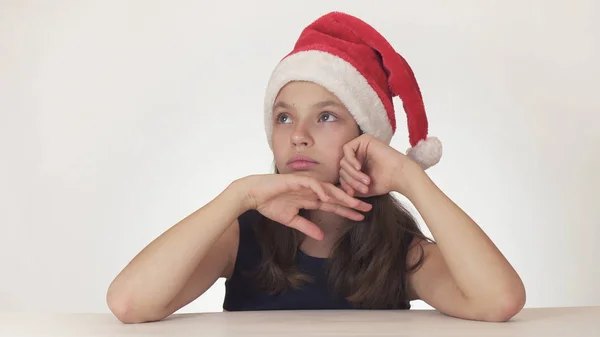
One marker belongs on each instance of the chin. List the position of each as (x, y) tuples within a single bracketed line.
[(328, 178)]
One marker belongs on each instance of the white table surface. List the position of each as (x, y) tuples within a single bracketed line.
[(563, 322)]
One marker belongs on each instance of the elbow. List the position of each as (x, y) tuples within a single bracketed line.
[(124, 309), (509, 304), (121, 307)]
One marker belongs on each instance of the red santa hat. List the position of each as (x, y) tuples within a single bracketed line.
[(358, 65)]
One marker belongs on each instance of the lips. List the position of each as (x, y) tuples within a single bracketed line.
[(301, 162)]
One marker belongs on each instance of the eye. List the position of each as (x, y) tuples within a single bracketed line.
[(327, 117), (283, 118)]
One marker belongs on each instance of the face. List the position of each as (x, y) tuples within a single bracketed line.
[(310, 127)]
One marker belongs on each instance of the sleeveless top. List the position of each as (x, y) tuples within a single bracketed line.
[(241, 293)]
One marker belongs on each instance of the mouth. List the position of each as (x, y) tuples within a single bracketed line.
[(301, 163)]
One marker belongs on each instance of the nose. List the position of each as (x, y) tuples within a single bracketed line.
[(301, 136)]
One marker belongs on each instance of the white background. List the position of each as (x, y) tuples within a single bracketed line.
[(119, 118)]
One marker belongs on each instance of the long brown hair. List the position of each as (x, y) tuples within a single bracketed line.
[(368, 265)]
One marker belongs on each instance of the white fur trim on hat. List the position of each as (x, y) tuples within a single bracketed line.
[(427, 152), (341, 79)]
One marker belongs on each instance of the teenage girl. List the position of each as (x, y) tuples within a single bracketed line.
[(323, 231)]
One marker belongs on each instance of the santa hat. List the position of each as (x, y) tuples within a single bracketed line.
[(358, 65)]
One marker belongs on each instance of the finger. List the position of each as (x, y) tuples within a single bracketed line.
[(347, 188), (342, 211), (354, 173), (315, 186), (347, 200), (333, 208), (306, 194), (307, 227), (350, 154), (353, 182)]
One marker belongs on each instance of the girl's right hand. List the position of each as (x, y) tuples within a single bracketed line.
[(280, 197)]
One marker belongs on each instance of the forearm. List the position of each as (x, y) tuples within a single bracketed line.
[(477, 266), (156, 275)]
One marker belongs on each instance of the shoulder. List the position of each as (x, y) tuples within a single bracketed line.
[(240, 240), (417, 263), (242, 227), (417, 251), (431, 281), (247, 220)]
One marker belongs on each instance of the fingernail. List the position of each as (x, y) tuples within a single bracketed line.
[(365, 180)]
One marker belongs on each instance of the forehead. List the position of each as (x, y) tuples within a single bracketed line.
[(299, 92)]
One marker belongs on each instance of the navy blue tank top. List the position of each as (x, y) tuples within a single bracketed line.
[(241, 294)]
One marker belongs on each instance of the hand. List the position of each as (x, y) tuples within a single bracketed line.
[(371, 167), (280, 197)]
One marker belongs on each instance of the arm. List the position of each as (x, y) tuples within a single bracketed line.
[(187, 259), (464, 274), (181, 264)]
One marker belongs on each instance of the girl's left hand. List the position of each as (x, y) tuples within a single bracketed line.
[(370, 167)]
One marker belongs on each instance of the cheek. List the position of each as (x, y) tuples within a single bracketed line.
[(334, 151), (337, 139), (279, 150), (335, 147)]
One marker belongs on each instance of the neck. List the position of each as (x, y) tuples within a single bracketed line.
[(332, 225)]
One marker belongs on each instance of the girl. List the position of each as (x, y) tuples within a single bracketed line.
[(323, 231)]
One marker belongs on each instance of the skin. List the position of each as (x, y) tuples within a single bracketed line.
[(309, 120), (463, 275)]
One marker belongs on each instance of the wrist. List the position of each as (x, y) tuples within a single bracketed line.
[(411, 179), (238, 194)]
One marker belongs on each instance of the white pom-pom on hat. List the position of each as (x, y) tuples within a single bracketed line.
[(427, 152)]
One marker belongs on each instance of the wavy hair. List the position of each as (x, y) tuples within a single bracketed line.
[(368, 265)]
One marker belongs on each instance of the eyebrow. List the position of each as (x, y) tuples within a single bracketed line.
[(318, 105), (323, 104), (281, 104)]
